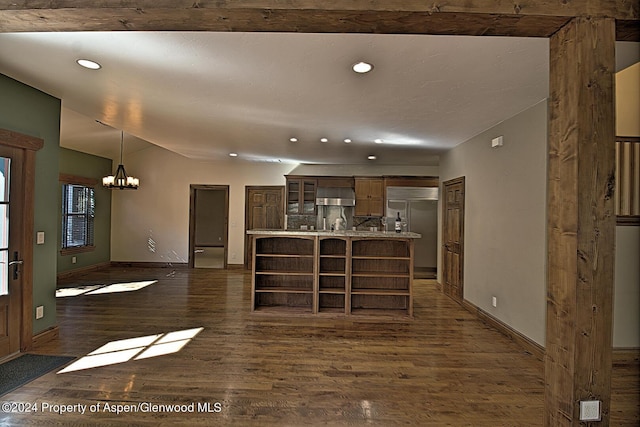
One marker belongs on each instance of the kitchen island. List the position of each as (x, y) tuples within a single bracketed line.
[(332, 272)]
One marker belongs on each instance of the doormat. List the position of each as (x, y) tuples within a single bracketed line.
[(23, 369)]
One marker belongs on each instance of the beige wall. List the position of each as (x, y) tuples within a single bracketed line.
[(505, 229), (626, 303), (151, 224), (372, 169), (626, 315), (505, 221), (628, 101)]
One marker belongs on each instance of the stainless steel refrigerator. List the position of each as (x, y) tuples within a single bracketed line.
[(418, 208)]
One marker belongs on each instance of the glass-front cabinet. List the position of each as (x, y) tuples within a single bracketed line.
[(301, 196)]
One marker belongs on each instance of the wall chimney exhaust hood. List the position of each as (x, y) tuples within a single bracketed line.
[(335, 196)]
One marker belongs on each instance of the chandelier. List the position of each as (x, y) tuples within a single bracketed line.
[(121, 180)]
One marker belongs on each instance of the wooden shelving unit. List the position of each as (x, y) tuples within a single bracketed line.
[(284, 274), (333, 275), (381, 276)]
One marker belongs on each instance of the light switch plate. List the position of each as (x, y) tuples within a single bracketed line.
[(40, 238)]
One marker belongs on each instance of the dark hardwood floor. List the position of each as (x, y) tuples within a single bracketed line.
[(444, 367)]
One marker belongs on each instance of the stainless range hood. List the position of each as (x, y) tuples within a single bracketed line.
[(335, 196)]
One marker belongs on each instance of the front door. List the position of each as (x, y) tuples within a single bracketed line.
[(264, 209), (453, 238), (11, 231)]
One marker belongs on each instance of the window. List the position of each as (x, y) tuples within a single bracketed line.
[(627, 195), (78, 211)]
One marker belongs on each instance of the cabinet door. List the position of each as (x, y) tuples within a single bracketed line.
[(293, 196), (308, 197), (376, 199), (362, 197), (301, 196), (369, 197)]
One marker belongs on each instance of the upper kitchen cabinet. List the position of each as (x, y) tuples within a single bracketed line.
[(301, 195), (369, 197)]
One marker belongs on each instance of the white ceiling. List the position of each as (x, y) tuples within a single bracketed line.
[(204, 95)]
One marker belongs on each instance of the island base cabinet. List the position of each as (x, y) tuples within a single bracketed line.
[(320, 274)]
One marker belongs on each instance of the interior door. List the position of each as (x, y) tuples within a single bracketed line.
[(208, 226), (11, 232), (264, 206), (453, 238)]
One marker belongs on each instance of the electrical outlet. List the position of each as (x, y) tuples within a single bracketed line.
[(39, 312), (74, 260), (589, 410), (494, 301)]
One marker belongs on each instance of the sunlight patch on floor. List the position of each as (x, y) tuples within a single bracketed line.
[(137, 348), (103, 289)]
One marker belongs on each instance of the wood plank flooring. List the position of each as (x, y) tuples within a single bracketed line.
[(442, 368)]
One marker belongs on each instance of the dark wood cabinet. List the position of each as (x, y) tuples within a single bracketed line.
[(314, 273), (301, 196), (369, 197)]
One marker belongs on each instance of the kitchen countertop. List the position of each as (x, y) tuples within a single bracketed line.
[(340, 233)]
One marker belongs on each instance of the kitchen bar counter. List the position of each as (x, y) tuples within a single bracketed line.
[(332, 272), (339, 233)]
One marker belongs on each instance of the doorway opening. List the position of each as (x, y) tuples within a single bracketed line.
[(208, 226)]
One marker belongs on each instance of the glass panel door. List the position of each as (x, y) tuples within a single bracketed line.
[(5, 172)]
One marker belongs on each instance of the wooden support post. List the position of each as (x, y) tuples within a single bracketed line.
[(580, 220)]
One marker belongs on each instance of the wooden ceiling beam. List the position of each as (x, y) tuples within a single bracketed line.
[(617, 9), (528, 18)]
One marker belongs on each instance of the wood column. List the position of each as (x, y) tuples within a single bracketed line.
[(580, 220)]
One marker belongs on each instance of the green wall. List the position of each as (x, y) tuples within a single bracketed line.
[(29, 111), (88, 166)]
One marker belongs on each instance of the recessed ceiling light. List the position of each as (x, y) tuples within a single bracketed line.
[(362, 67), (293, 139), (324, 140), (87, 63), (347, 141), (378, 141), (233, 154), (372, 157)]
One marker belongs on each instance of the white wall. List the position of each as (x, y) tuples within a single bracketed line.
[(505, 229), (151, 224)]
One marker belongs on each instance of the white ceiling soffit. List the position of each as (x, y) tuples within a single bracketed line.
[(204, 95)]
